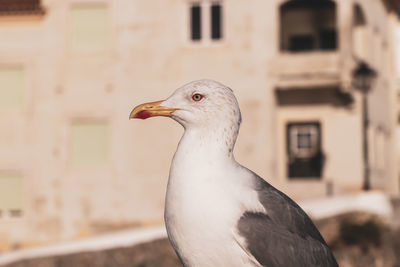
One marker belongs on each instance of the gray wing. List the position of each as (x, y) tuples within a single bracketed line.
[(285, 236)]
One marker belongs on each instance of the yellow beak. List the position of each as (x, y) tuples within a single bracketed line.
[(151, 109)]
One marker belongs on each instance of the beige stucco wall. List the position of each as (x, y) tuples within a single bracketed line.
[(396, 30), (148, 56), (343, 151)]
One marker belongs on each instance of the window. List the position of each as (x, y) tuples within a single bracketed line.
[(301, 42), (216, 22), (11, 192), (89, 27), (305, 158), (308, 25), (196, 22), (89, 143), (11, 88), (327, 39), (200, 19), (303, 139)]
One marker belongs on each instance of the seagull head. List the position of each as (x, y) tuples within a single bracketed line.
[(202, 104)]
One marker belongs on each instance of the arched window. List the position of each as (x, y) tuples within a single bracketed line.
[(360, 44), (308, 25)]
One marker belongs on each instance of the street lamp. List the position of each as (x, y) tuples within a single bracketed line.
[(363, 79)]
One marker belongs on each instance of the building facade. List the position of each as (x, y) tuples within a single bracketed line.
[(397, 53), (71, 164)]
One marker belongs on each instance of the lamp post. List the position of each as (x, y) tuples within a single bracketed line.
[(363, 78)]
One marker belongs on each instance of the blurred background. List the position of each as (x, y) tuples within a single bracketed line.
[(318, 83)]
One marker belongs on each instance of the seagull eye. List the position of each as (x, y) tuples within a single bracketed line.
[(197, 97)]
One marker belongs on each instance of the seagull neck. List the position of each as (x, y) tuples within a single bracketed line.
[(212, 145)]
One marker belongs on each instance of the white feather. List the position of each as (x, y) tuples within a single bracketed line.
[(208, 191)]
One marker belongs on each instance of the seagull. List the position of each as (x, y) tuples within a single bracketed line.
[(218, 212)]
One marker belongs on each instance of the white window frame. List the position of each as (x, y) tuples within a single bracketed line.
[(306, 128)]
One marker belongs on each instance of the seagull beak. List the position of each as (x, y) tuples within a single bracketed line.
[(151, 109)]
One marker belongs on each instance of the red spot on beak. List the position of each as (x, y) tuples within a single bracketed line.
[(143, 114)]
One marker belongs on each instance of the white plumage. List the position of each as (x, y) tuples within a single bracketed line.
[(217, 212)]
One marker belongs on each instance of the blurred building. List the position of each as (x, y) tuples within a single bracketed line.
[(397, 50), (71, 164)]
